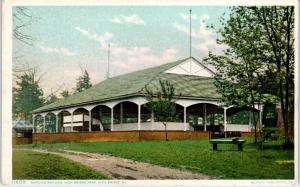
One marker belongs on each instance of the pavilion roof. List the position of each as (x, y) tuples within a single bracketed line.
[(134, 84)]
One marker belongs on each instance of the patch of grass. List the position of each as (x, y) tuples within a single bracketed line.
[(33, 165), (196, 156)]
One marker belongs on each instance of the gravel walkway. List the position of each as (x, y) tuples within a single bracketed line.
[(120, 168)]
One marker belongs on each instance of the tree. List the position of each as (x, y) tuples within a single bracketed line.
[(51, 98), (22, 19), (65, 94), (83, 82), (278, 25), (240, 69), (27, 95), (161, 103), (260, 39)]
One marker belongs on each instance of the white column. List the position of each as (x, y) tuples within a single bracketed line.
[(62, 128), (184, 118), (139, 117), (225, 119), (112, 119), (56, 123), (225, 122), (90, 120), (100, 116), (72, 122), (44, 124), (249, 120), (152, 119), (33, 123), (121, 113), (204, 105), (260, 115)]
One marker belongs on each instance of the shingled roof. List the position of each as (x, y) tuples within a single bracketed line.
[(134, 84)]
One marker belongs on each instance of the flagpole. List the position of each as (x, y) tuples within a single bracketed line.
[(108, 54), (190, 32)]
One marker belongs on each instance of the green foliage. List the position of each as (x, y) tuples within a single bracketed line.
[(83, 82), (263, 37), (258, 64), (50, 121), (197, 156), (242, 117), (65, 94), (33, 165), (161, 102), (51, 98), (27, 95), (269, 115), (243, 76)]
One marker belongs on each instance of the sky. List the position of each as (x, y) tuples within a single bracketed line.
[(68, 39)]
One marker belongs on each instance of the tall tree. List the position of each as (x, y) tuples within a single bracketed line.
[(27, 95), (278, 25), (161, 103), (83, 82), (259, 58)]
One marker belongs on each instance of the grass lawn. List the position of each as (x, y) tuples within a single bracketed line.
[(33, 165), (196, 156)]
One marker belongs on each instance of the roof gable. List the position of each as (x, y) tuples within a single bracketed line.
[(191, 67)]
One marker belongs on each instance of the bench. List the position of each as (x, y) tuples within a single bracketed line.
[(237, 141)]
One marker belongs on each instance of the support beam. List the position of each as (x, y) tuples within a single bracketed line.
[(72, 121), (249, 120), (112, 119), (33, 124), (204, 107), (90, 120), (121, 113), (139, 117), (62, 123), (260, 108), (152, 119), (44, 124), (184, 118), (225, 121), (56, 123)]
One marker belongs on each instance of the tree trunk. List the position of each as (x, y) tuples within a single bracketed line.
[(287, 76), (166, 132)]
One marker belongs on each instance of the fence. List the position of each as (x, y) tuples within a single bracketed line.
[(124, 136), (21, 140), (117, 136)]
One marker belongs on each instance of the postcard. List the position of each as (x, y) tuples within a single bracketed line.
[(149, 93)]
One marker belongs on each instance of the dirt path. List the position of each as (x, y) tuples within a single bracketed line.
[(120, 168)]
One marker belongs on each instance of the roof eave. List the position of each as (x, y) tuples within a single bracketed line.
[(120, 97)]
